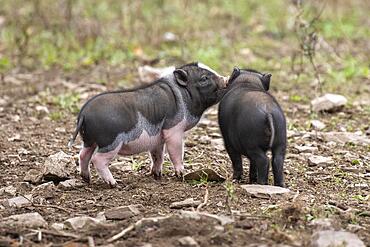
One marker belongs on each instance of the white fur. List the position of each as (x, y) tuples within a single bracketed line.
[(203, 66)]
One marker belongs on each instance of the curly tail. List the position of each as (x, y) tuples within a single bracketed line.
[(79, 125), (272, 128)]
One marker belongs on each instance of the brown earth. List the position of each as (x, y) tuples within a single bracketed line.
[(335, 191)]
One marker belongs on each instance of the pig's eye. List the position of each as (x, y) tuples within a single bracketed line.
[(204, 78)]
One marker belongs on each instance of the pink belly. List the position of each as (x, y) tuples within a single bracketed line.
[(142, 144)]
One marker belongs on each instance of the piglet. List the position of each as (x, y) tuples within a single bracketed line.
[(146, 118), (251, 123)]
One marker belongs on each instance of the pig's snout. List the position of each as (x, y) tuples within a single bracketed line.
[(224, 81)]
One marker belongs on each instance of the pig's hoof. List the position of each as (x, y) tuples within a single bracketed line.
[(156, 174), (85, 178)]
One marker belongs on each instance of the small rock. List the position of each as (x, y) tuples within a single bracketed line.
[(30, 220), (42, 110), (33, 176), (345, 137), (185, 203), (122, 166), (60, 130), (316, 160), (70, 183), (169, 37), (322, 224), (148, 74), (57, 226), (16, 137), (306, 149), (45, 187), (148, 222), (19, 201), (121, 213), (10, 190), (335, 239), (206, 173), (218, 143), (188, 242), (222, 219), (265, 191), (58, 167), (316, 124), (82, 222), (328, 102)]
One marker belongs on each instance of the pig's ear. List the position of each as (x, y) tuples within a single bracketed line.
[(266, 81), (181, 77)]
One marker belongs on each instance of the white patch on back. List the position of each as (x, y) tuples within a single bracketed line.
[(203, 66)]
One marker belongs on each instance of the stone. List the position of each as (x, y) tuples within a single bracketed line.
[(123, 212), (190, 202), (306, 149), (10, 190), (148, 222), (45, 187), (122, 166), (318, 125), (222, 219), (265, 191), (58, 167), (328, 102), (316, 160), (19, 201), (81, 222), (346, 137), (322, 224), (42, 110), (205, 173), (169, 37), (218, 144), (148, 74), (188, 242), (33, 176), (70, 183), (30, 220), (57, 226), (331, 238)]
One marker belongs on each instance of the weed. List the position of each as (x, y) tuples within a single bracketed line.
[(68, 102)]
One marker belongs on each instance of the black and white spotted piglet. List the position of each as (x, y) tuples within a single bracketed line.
[(147, 118)]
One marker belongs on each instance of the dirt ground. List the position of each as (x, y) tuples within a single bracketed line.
[(339, 191)]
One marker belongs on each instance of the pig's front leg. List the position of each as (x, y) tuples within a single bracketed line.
[(157, 160), (175, 148)]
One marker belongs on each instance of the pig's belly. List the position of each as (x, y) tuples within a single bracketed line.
[(143, 143)]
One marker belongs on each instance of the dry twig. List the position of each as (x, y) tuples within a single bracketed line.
[(204, 203)]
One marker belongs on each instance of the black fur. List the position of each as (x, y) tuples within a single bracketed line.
[(248, 116)]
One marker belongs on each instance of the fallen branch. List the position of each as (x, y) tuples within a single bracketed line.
[(122, 233), (46, 206), (137, 225), (204, 203)]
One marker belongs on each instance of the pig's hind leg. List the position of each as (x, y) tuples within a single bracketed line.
[(84, 160), (101, 162), (277, 167), (157, 161), (259, 163), (236, 160)]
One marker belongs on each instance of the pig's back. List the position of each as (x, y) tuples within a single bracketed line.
[(243, 118)]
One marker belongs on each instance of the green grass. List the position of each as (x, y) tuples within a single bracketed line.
[(213, 32)]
